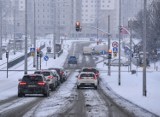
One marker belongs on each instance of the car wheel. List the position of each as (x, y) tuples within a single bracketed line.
[(53, 87), (46, 94), (95, 87), (21, 94)]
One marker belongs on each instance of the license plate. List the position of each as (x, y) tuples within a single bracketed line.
[(31, 85)]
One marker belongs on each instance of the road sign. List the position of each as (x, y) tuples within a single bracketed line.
[(32, 49), (115, 44), (46, 58), (115, 49)]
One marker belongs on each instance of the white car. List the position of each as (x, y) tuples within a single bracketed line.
[(51, 76), (85, 79)]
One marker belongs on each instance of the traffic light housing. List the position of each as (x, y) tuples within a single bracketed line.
[(38, 52), (110, 54), (78, 26)]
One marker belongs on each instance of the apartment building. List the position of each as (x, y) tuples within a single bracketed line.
[(94, 13)]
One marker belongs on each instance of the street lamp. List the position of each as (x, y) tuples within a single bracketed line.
[(119, 67), (26, 48), (144, 48)]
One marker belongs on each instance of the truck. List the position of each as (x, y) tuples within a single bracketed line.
[(87, 50), (99, 48)]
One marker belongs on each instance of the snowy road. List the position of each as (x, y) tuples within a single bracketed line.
[(66, 101)]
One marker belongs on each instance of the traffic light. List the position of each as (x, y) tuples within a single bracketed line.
[(38, 52), (110, 54), (78, 27)]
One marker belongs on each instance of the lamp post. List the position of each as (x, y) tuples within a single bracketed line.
[(144, 49), (0, 29), (119, 67), (34, 33), (54, 29), (26, 48)]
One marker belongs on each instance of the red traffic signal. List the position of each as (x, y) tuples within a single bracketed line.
[(78, 27)]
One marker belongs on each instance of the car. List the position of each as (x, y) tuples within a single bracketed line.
[(85, 79), (91, 69), (33, 84), (115, 62), (72, 60), (52, 76), (61, 73)]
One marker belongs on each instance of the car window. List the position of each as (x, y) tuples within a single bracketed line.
[(32, 78), (89, 70), (87, 75), (46, 73), (37, 72)]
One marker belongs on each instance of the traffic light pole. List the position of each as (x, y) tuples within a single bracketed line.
[(26, 48), (119, 67), (144, 49), (109, 60)]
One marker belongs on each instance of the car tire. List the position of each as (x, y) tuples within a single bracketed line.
[(21, 94), (46, 94), (95, 87), (52, 87)]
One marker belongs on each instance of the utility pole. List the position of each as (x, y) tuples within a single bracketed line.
[(109, 41), (97, 19), (130, 26), (1, 29), (34, 33), (55, 29), (119, 69), (144, 49), (14, 33), (26, 48)]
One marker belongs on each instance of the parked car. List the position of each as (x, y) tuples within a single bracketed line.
[(61, 73), (85, 79), (72, 60), (51, 76), (33, 84)]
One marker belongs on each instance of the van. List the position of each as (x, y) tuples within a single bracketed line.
[(87, 50)]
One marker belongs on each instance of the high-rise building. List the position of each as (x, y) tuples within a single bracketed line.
[(94, 13)]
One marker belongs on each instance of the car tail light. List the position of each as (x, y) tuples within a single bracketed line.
[(22, 83), (62, 72), (41, 83), (50, 77)]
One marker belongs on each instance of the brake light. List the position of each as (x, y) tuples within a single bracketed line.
[(50, 77), (41, 83), (22, 83), (62, 72)]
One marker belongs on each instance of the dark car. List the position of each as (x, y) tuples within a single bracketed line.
[(61, 73), (72, 60), (33, 84)]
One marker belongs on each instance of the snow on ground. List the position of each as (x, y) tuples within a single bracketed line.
[(130, 89)]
